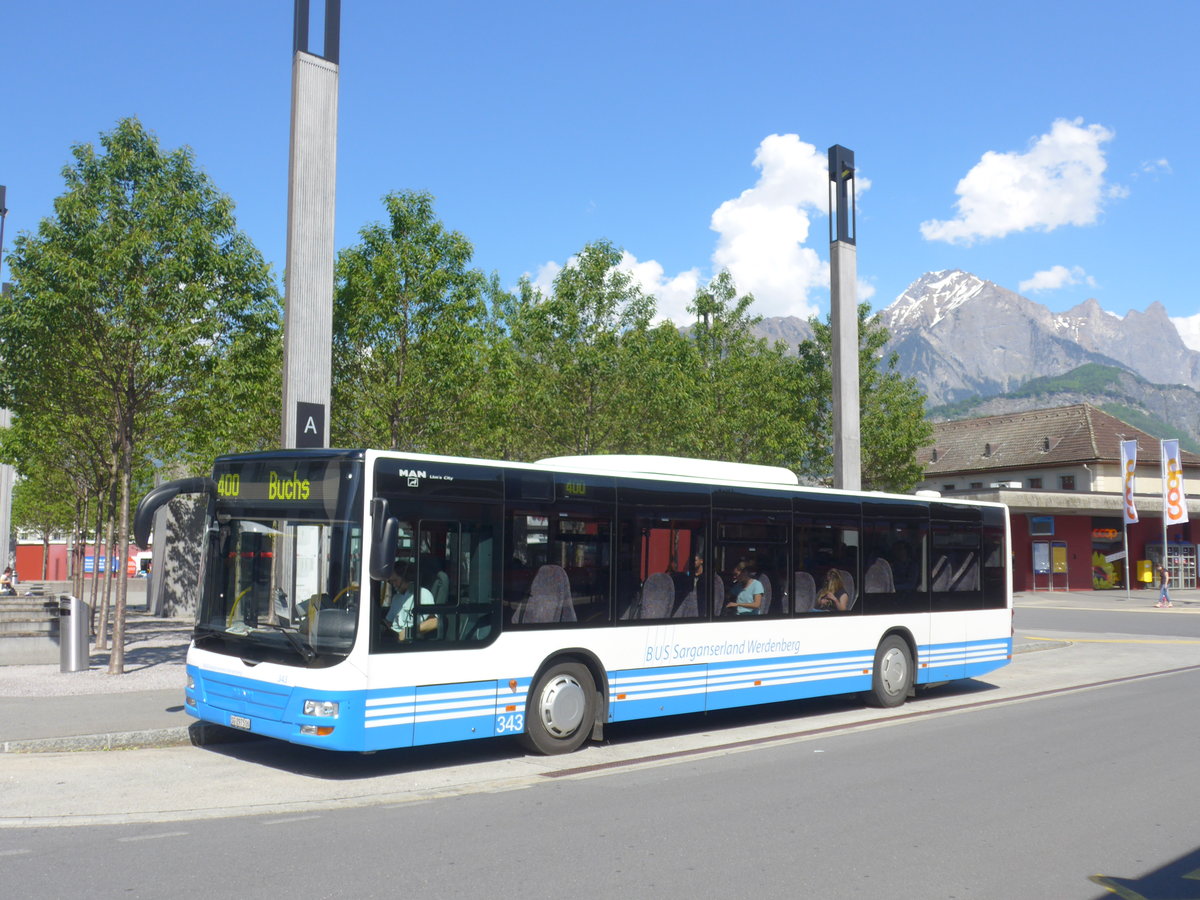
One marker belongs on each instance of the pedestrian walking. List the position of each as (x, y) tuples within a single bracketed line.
[(1164, 596)]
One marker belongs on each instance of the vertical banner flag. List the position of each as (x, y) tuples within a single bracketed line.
[(1128, 471), (1174, 500)]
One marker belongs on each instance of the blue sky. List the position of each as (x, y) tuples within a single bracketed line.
[(1049, 147)]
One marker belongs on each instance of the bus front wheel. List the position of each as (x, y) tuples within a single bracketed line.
[(561, 709), (892, 677)]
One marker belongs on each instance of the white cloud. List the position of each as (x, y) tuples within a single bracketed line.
[(763, 231), (546, 273), (761, 240), (672, 293), (1059, 181), (1154, 167), (1189, 330), (1057, 277)]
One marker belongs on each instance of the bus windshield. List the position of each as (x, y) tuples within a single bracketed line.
[(283, 561)]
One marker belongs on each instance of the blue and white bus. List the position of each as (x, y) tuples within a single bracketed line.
[(361, 600)]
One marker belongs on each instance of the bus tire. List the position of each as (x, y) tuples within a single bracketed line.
[(561, 710), (892, 676)]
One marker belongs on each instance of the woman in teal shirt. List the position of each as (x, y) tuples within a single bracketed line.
[(749, 600)]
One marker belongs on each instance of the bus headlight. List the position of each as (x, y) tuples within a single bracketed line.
[(324, 708)]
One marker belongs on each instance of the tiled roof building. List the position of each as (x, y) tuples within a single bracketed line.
[(1059, 472), (1043, 439)]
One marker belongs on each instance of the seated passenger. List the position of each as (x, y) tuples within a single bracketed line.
[(904, 568), (833, 595), (399, 615), (435, 579), (749, 600)]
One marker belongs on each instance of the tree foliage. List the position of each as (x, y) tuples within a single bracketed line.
[(575, 350), (411, 334), (141, 310), (892, 410)]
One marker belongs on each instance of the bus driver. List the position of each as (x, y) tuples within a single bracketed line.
[(400, 611)]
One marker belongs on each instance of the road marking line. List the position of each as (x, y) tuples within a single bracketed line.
[(1075, 640), (1119, 889), (290, 820), (153, 837)]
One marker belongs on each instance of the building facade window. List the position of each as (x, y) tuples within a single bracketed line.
[(976, 485), (1035, 484), (1066, 482), (947, 487)]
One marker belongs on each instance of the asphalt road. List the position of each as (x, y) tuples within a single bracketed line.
[(1070, 774), (1034, 799), (1144, 620)]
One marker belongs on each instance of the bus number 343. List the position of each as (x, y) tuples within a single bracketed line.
[(508, 724)]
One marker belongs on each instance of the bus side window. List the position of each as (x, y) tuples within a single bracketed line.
[(455, 568), (557, 566), (956, 564)]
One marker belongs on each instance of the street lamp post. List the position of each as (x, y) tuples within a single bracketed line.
[(843, 315), (3, 216), (7, 475)]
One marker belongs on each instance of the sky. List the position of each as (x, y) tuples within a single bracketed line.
[(1049, 147)]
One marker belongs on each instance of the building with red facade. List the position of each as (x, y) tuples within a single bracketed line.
[(1059, 472)]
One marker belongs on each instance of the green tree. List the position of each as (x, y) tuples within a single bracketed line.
[(132, 301), (574, 349), (892, 408), (412, 336), (748, 399), (44, 503)]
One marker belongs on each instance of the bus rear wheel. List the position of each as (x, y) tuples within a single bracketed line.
[(892, 676), (561, 710)]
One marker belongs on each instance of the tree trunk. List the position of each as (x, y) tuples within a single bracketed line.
[(109, 537), (100, 614), (116, 661)]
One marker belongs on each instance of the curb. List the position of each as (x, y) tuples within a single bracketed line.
[(1035, 646), (198, 734)]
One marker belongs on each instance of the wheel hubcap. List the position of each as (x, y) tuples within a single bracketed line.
[(562, 706), (893, 673)]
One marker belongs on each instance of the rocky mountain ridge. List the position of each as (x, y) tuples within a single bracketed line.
[(964, 337), (960, 336), (1160, 410)]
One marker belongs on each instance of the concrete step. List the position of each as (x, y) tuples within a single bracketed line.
[(29, 650), (12, 627)]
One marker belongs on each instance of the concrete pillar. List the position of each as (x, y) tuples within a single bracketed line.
[(308, 315), (843, 315), (847, 446)]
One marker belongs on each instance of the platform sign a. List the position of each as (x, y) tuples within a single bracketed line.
[(310, 425)]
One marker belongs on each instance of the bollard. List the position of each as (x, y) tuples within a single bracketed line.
[(75, 619)]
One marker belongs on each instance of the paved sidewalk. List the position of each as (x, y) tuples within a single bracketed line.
[(44, 709)]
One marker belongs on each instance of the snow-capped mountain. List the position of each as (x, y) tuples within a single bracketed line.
[(960, 336)]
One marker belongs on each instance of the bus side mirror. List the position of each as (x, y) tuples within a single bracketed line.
[(143, 519), (385, 531)]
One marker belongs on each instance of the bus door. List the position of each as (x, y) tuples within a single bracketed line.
[(956, 595)]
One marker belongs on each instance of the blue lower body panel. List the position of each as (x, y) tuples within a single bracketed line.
[(366, 720), (274, 710), (968, 659)]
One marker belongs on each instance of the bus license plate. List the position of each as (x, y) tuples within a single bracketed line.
[(239, 722)]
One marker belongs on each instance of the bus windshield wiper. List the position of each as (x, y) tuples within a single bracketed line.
[(307, 652)]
